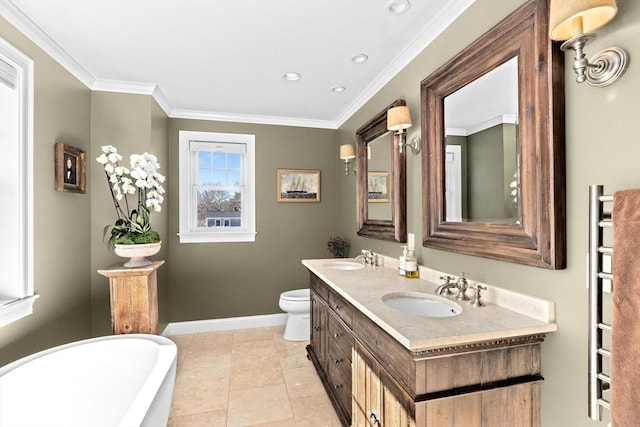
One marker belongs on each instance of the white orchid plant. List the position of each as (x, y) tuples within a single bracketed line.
[(133, 226)]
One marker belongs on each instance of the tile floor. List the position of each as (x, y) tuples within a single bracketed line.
[(248, 377)]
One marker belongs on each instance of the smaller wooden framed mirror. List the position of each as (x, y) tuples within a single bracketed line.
[(381, 216)]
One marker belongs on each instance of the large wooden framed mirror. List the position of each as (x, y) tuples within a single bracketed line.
[(380, 171), (493, 171)]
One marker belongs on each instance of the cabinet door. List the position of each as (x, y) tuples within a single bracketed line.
[(366, 393), (393, 412), (319, 330), (374, 405)]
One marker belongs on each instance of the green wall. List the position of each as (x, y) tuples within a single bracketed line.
[(491, 164), (602, 128), (61, 220), (486, 175), (133, 124), (219, 280)]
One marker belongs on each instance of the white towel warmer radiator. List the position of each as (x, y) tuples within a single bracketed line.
[(599, 283)]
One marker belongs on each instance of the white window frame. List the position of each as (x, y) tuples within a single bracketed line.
[(17, 288), (187, 173)]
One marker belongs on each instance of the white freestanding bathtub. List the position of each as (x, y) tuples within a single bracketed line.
[(118, 380)]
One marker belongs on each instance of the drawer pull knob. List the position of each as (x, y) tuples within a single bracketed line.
[(337, 386), (337, 335), (337, 306), (316, 328), (373, 419), (338, 361)]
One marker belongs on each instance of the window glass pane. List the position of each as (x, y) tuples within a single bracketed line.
[(233, 177), (233, 160), (220, 177), (204, 177), (204, 159), (217, 208), (219, 160)]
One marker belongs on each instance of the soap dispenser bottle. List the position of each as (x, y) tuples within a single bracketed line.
[(402, 259), (411, 265)]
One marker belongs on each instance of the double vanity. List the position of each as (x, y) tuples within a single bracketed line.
[(390, 352)]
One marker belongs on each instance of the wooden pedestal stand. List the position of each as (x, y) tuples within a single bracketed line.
[(134, 298)]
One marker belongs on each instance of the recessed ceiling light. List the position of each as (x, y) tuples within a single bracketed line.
[(360, 58), (338, 89), (397, 7), (292, 77)]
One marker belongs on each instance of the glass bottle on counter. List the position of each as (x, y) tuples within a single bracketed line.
[(402, 259), (411, 265)]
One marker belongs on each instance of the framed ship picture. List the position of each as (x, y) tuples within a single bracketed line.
[(378, 187), (298, 185)]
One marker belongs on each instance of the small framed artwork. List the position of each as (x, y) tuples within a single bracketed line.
[(69, 168), (298, 185), (378, 187)]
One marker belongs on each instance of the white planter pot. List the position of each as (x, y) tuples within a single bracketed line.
[(137, 253)]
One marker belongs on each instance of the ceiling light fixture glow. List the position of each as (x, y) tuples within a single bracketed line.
[(397, 7), (360, 58), (338, 89), (292, 77)]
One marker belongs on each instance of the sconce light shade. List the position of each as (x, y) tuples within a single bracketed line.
[(347, 152), (398, 118), (577, 17), (575, 21)]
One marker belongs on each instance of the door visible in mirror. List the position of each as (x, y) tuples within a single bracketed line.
[(482, 149), (379, 179)]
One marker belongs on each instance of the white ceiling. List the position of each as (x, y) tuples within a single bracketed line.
[(224, 59)]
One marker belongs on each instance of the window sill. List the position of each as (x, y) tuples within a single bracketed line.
[(17, 309), (205, 237)]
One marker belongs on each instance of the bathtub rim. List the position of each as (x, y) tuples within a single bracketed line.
[(160, 340), (166, 362)]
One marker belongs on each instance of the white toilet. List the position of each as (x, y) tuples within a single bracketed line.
[(297, 304)]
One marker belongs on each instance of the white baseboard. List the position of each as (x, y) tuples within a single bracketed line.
[(228, 324)]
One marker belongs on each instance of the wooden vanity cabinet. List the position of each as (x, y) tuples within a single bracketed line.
[(373, 380), (331, 345)]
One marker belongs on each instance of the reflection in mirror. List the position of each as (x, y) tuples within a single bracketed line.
[(481, 137), (380, 167), (378, 185)]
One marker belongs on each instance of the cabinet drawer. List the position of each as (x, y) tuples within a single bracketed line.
[(342, 308), (339, 360), (339, 336), (341, 387), (319, 287)]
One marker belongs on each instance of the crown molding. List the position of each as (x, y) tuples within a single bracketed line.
[(250, 118), (498, 120), (27, 27), (430, 31)]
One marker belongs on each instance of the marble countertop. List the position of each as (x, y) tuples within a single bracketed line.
[(365, 288)]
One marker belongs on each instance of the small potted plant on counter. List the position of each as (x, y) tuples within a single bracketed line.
[(338, 246)]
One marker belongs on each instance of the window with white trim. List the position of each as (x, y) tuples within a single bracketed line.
[(217, 180), (16, 184)]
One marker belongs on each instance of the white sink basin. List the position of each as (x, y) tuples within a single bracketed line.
[(422, 304), (344, 265)]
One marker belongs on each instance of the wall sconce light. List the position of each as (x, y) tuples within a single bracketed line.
[(348, 153), (399, 119), (575, 21)]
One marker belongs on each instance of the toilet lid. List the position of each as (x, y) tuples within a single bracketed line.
[(296, 295)]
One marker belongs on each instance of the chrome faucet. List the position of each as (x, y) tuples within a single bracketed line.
[(368, 257), (446, 287), (462, 286), (361, 258)]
